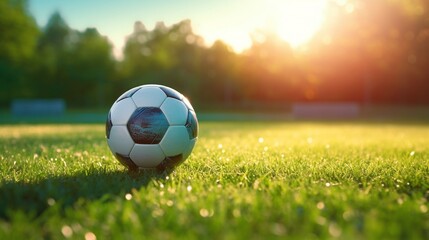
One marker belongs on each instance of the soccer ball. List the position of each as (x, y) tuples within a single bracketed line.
[(151, 126)]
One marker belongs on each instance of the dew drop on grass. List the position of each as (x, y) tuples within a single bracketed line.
[(204, 212), (220, 146), (67, 231), (189, 188), (51, 201), (334, 230), (327, 184), (90, 236), (412, 153), (128, 196), (261, 140)]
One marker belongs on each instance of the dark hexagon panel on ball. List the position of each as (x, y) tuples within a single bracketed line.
[(109, 125), (126, 161), (192, 124), (147, 125)]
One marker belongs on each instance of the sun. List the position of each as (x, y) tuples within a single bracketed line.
[(294, 21), (297, 21)]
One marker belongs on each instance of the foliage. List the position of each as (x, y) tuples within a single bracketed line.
[(244, 180), (378, 46), (168, 55), (72, 62), (91, 54), (365, 52), (18, 36), (18, 31)]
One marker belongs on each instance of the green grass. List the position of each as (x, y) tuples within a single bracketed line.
[(254, 180)]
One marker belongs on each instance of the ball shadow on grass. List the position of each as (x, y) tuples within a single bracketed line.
[(65, 191)]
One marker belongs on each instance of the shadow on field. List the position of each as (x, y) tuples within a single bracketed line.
[(65, 191)]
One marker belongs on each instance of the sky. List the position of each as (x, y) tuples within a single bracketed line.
[(229, 20)]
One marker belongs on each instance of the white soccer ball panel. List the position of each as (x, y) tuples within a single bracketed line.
[(121, 111), (149, 97), (147, 155), (191, 146), (175, 111), (120, 140), (170, 92), (176, 141)]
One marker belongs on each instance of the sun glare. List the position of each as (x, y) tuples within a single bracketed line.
[(297, 21), (294, 21)]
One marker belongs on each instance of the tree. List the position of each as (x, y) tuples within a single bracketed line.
[(18, 34), (267, 69), (165, 55), (372, 51), (219, 79), (90, 66), (53, 50)]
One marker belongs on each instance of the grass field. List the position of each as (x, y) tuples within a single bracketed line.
[(244, 180)]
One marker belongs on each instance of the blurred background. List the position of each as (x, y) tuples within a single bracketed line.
[(223, 55)]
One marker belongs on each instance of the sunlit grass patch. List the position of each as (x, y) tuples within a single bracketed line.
[(244, 180)]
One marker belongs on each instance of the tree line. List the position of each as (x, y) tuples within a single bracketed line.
[(370, 52)]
